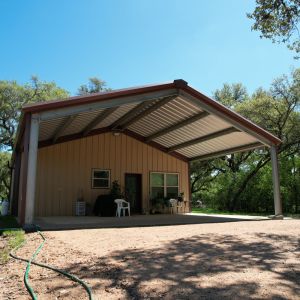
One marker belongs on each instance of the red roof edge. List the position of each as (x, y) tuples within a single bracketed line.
[(103, 96)]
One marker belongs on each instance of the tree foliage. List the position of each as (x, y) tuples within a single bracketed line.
[(243, 181), (95, 85), (278, 20), (13, 96), (4, 174)]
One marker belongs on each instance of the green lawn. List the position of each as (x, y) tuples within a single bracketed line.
[(226, 212), (9, 239)]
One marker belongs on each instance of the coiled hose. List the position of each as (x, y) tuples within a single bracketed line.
[(31, 261)]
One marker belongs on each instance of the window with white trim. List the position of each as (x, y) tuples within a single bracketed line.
[(100, 179), (164, 185)]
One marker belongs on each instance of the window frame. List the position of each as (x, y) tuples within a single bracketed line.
[(93, 178), (165, 186)]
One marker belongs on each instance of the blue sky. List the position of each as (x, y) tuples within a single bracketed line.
[(136, 42)]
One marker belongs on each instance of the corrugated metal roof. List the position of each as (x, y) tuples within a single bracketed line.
[(218, 144), (120, 112), (81, 121), (48, 128), (167, 115), (194, 130)]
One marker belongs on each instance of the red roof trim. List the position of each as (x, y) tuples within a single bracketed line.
[(79, 100)]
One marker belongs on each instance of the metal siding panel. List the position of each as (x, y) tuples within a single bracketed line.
[(67, 169)]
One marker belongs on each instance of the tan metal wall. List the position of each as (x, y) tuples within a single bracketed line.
[(63, 169)]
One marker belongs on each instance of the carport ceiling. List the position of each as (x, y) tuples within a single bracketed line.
[(172, 117)]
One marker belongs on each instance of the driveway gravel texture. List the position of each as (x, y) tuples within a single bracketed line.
[(236, 260)]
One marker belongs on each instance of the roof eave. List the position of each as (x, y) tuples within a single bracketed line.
[(233, 115), (86, 99)]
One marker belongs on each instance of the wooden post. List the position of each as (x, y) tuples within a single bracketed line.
[(31, 170), (276, 183)]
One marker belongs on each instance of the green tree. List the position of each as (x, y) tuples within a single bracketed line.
[(4, 174), (278, 20), (13, 96), (95, 85), (277, 110), (231, 95)]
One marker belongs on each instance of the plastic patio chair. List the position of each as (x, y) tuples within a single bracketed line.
[(173, 205), (122, 205)]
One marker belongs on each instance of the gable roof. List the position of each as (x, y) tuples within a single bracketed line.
[(172, 116)]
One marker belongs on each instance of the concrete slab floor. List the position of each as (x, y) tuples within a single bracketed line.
[(74, 222)]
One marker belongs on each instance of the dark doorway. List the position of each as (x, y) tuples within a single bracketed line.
[(133, 188)]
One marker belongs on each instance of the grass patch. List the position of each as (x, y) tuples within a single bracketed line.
[(226, 212), (243, 213), (9, 239)]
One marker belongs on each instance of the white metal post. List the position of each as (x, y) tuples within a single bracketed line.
[(31, 171), (276, 182)]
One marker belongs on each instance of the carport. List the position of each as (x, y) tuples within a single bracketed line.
[(173, 118)]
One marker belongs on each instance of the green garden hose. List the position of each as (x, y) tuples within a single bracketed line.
[(26, 280), (31, 261)]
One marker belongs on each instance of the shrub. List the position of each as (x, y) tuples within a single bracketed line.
[(105, 205)]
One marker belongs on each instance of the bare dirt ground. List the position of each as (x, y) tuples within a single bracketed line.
[(240, 260)]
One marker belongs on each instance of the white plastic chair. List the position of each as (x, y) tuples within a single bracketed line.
[(173, 205), (122, 205)]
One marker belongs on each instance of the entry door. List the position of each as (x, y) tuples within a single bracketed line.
[(133, 187)]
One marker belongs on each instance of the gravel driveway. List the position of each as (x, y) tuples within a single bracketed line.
[(248, 260)]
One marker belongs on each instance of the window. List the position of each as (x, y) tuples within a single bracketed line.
[(100, 179), (164, 185), (172, 185)]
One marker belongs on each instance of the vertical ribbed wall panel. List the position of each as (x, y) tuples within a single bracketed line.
[(65, 169)]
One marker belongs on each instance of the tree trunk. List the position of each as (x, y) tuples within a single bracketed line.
[(244, 183)]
